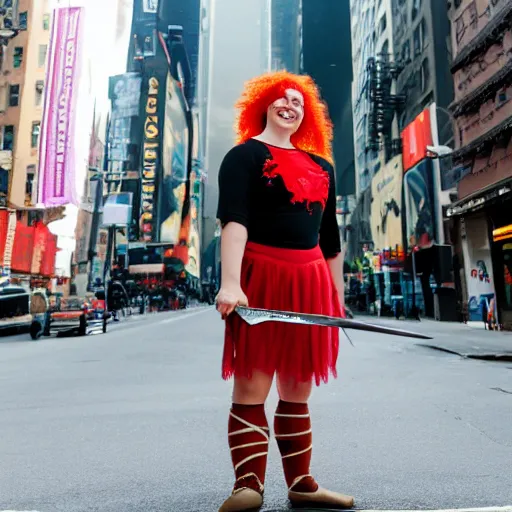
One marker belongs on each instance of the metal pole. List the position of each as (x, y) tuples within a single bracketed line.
[(414, 310)]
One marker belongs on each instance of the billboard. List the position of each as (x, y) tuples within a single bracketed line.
[(421, 217), (56, 150), (415, 139), (174, 164), (150, 161), (124, 92), (386, 205)]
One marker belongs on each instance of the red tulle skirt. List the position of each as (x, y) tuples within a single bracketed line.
[(290, 280)]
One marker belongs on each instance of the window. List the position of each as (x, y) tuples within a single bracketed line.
[(406, 51), (43, 49), (383, 24), (39, 92), (18, 57), (36, 129), (8, 138), (424, 75), (29, 185), (46, 22), (14, 95), (23, 20), (416, 6), (420, 37)]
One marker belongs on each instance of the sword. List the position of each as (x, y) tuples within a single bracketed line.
[(254, 316)]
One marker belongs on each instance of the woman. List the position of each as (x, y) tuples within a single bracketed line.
[(280, 249)]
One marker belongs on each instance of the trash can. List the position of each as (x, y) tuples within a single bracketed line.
[(445, 305)]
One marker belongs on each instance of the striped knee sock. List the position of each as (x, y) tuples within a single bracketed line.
[(248, 440), (292, 426)]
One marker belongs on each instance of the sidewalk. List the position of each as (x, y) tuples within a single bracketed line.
[(469, 341)]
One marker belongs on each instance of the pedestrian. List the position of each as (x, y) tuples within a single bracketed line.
[(280, 249)]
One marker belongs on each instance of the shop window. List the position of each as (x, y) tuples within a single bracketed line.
[(43, 50), (36, 129), (507, 276), (23, 20), (46, 22), (39, 92), (18, 57), (14, 95)]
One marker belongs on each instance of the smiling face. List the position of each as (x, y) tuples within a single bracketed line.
[(287, 112)]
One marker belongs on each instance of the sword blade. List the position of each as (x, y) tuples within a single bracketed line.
[(254, 316)]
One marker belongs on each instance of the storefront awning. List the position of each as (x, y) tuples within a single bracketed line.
[(481, 198)]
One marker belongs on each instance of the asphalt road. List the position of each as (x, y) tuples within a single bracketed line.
[(135, 421)]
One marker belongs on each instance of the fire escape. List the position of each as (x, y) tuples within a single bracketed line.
[(383, 105)]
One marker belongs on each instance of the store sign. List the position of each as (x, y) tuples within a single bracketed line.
[(150, 6), (57, 155), (504, 233), (150, 153)]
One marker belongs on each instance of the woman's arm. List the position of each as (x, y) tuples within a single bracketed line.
[(330, 241), (233, 240), (233, 213), (336, 268)]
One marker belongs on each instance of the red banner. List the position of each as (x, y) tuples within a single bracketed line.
[(415, 139), (23, 248), (48, 261), (4, 221), (40, 236)]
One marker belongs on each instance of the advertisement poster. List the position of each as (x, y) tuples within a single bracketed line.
[(420, 210), (479, 274), (194, 241), (386, 205), (124, 93), (57, 158), (174, 164)]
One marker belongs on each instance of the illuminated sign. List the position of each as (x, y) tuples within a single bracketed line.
[(150, 162), (503, 233)]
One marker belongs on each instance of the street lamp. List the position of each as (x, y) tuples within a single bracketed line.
[(439, 151)]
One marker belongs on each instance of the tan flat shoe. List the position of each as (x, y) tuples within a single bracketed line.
[(242, 499), (321, 497)]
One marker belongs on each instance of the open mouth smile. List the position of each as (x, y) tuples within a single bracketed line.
[(287, 115)]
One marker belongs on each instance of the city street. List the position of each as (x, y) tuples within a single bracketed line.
[(135, 421)]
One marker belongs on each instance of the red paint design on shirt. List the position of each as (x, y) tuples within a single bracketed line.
[(302, 177)]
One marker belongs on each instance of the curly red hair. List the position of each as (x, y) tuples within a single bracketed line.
[(315, 132)]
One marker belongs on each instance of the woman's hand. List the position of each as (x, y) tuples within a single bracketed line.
[(229, 298)]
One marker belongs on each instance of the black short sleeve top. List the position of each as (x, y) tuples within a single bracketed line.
[(284, 197)]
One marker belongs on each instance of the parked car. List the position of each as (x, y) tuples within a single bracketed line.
[(14, 307), (71, 315)]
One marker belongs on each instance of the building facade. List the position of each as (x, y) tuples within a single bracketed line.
[(481, 217)]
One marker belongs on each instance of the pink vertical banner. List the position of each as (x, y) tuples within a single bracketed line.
[(56, 148)]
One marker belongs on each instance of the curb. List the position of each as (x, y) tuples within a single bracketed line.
[(502, 357)]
